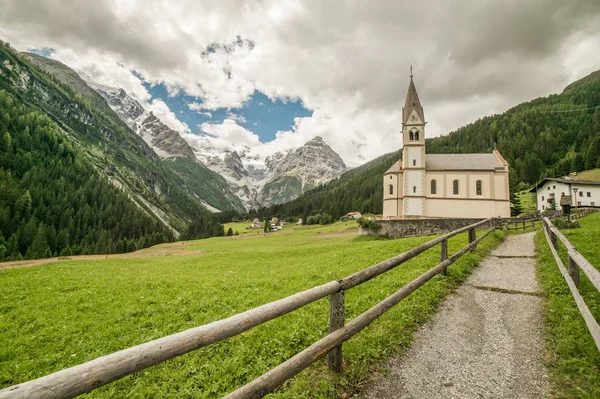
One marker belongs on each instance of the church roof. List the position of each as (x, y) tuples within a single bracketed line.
[(462, 162), (396, 167), (412, 103), (456, 162)]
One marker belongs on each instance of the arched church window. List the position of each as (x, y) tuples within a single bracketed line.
[(411, 136), (417, 136), (391, 189), (414, 162), (478, 187), (433, 186), (455, 187), (414, 189)]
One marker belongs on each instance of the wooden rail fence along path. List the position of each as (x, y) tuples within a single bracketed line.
[(576, 262), (522, 224), (85, 377)]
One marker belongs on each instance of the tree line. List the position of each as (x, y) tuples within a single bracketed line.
[(53, 200)]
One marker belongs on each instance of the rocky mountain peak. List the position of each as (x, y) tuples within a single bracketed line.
[(166, 142)]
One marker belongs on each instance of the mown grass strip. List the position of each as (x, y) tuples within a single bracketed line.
[(572, 358)]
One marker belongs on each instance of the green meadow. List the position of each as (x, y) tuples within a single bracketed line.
[(61, 314), (573, 359)]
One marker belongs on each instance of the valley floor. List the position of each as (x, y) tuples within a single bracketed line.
[(60, 314)]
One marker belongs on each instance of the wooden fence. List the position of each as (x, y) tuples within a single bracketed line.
[(521, 224), (576, 262), (85, 377)]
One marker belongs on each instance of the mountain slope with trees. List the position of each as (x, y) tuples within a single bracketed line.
[(76, 180), (115, 151), (198, 179), (547, 137), (53, 200)]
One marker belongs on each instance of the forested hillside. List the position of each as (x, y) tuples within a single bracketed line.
[(76, 180), (53, 202), (198, 179), (546, 137), (108, 143)]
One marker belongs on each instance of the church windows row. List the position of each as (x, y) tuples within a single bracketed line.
[(413, 135), (455, 187)]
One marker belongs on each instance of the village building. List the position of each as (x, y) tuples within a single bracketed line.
[(353, 215), (550, 191), (442, 185)]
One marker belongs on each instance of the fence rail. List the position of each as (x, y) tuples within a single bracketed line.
[(521, 224), (85, 377), (576, 262)]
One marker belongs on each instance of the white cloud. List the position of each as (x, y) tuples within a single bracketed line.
[(104, 70), (348, 62), (161, 110)]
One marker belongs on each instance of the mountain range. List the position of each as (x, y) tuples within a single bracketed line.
[(246, 181), (257, 182)]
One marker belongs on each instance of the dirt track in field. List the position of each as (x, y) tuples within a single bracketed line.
[(169, 249)]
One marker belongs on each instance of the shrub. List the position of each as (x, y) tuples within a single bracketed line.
[(368, 224)]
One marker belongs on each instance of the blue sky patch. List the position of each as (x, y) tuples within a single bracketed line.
[(44, 51), (259, 114)]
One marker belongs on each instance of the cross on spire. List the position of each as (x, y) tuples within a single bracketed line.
[(411, 74)]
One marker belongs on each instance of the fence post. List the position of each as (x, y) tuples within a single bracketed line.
[(444, 255), (574, 271), (337, 315), (472, 237)]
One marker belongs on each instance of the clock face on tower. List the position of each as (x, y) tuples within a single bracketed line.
[(413, 118)]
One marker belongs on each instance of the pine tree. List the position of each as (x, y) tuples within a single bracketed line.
[(39, 247), (230, 232)]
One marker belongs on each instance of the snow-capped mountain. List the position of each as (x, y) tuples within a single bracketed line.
[(255, 180), (166, 142), (278, 178)]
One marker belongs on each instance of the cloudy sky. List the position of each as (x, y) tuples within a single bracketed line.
[(272, 74)]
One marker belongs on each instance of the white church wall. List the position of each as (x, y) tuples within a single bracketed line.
[(414, 182), (414, 206), (466, 208)]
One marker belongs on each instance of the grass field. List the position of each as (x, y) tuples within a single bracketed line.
[(527, 199), (240, 227), (573, 360), (61, 314), (593, 175)]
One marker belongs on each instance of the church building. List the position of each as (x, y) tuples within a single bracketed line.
[(442, 185)]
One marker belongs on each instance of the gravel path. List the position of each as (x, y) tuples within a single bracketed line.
[(486, 341)]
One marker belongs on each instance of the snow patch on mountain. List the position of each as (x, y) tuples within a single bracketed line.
[(263, 181), (166, 142)]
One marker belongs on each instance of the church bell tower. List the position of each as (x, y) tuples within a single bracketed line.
[(413, 153)]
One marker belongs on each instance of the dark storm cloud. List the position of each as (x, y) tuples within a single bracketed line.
[(347, 60), (93, 24)]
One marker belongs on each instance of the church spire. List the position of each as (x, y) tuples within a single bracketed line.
[(412, 102)]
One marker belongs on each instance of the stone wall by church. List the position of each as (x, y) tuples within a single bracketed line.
[(420, 227)]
